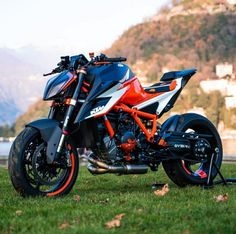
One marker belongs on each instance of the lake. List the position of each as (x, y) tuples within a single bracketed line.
[(5, 148)]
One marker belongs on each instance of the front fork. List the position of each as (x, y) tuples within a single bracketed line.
[(81, 75)]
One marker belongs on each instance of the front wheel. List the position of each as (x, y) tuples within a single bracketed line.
[(183, 172), (29, 172)]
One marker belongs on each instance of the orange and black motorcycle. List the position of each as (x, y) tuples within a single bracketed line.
[(101, 105)]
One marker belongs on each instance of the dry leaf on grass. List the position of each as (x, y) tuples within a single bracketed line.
[(116, 222), (77, 198), (19, 212), (163, 191), (221, 198), (113, 224), (64, 225), (120, 216)]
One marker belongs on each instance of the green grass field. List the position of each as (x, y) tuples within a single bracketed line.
[(182, 210)]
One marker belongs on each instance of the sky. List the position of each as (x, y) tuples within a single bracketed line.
[(70, 24)]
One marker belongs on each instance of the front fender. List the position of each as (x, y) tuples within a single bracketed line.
[(51, 134), (45, 126)]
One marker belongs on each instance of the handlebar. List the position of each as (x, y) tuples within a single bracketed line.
[(74, 62), (114, 60), (54, 71), (103, 58)]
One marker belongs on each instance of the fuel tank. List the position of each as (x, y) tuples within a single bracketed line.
[(102, 78), (107, 74)]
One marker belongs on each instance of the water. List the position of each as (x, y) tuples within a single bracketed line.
[(5, 148)]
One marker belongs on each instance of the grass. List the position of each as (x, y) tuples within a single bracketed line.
[(182, 210)]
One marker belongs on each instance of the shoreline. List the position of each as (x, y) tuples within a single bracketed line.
[(7, 139)]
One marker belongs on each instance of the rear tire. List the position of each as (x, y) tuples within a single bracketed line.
[(27, 174), (181, 172)]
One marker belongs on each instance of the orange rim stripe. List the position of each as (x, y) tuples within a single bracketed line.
[(68, 181), (185, 167)]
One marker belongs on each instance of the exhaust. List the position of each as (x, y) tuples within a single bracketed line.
[(97, 167)]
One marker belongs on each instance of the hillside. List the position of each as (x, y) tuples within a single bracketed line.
[(181, 37), (34, 112), (21, 85), (21, 77), (194, 33)]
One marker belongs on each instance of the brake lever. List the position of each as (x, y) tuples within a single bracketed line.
[(54, 71), (48, 74)]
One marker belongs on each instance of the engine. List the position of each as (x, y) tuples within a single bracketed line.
[(124, 153), (128, 143), (124, 146)]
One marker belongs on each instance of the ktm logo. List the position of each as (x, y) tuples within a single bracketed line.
[(97, 109)]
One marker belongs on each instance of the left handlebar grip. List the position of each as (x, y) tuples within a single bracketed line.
[(119, 59), (48, 74)]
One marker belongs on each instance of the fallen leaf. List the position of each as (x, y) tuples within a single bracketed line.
[(77, 198), (64, 225), (120, 216), (140, 210), (19, 212), (163, 191), (221, 198), (113, 224), (116, 222)]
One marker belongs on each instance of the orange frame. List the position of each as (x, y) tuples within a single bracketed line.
[(136, 114)]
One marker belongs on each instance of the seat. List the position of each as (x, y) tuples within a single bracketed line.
[(168, 76)]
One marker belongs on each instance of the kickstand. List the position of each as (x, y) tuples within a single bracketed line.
[(210, 183)]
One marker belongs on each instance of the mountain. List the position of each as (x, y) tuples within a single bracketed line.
[(21, 79), (35, 111), (194, 33)]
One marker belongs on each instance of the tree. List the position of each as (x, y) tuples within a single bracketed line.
[(215, 109), (7, 131)]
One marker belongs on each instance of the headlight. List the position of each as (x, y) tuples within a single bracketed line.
[(55, 90), (55, 85)]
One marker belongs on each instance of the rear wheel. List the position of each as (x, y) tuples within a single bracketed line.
[(30, 173), (183, 172)]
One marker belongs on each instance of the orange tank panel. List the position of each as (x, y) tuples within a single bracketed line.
[(136, 94)]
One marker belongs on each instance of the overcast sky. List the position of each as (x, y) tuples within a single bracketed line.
[(78, 24)]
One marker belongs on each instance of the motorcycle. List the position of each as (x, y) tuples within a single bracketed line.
[(99, 104)]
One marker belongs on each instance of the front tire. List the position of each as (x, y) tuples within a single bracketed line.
[(29, 172), (183, 172)]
